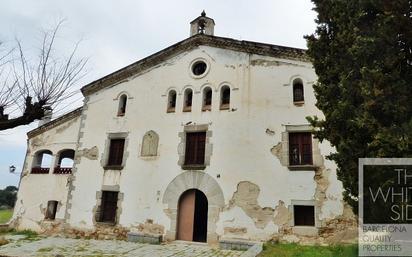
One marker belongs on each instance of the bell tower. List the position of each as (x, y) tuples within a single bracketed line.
[(202, 25)]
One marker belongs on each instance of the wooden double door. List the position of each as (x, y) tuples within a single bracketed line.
[(192, 216)]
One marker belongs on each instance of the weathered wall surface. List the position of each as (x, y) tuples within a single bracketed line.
[(258, 188), (250, 188), (37, 189)]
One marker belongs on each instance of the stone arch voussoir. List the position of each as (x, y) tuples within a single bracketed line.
[(194, 180)]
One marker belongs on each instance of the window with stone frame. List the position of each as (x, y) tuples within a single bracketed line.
[(195, 149), (300, 148), (298, 95), (150, 144), (51, 210), (116, 150), (304, 215), (108, 207)]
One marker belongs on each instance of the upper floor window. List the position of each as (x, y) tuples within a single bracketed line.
[(116, 152), (195, 148), (298, 95), (225, 98), (122, 105), (300, 148), (42, 162), (187, 103), (65, 163), (171, 101), (207, 99)]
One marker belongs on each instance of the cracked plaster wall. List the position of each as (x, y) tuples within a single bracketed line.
[(37, 189), (256, 185)]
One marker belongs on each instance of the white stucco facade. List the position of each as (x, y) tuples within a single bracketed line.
[(250, 186)]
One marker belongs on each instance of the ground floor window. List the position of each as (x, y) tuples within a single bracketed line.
[(108, 207), (51, 210), (304, 215)]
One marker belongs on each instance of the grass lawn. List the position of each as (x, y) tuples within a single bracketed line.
[(5, 215), (294, 250)]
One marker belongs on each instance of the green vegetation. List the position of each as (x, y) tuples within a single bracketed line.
[(361, 52), (295, 250), (5, 216), (26, 232), (45, 249), (8, 197)]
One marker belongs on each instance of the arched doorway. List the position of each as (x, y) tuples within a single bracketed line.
[(192, 216)]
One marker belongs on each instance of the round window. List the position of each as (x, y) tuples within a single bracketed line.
[(198, 68)]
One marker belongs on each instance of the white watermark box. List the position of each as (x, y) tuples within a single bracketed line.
[(385, 207)]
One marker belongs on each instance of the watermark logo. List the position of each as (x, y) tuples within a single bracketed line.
[(385, 207)]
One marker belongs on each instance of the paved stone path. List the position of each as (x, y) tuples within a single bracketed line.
[(59, 247)]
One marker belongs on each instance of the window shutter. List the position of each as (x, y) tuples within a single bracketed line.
[(294, 149), (306, 141), (195, 148), (200, 148), (116, 152), (190, 148), (109, 206), (300, 148)]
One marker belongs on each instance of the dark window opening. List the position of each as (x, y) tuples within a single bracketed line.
[(298, 91), (108, 207), (195, 148), (199, 68), (122, 105), (300, 148), (188, 100), (51, 210), (116, 152), (225, 98), (42, 162), (207, 99), (65, 164), (171, 102), (304, 215)]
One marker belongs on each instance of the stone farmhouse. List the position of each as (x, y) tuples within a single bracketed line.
[(206, 140)]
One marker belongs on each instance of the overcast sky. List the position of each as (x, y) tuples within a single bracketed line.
[(114, 34)]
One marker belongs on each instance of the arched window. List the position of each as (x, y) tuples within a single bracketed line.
[(65, 163), (298, 96), (122, 105), (42, 162), (207, 99), (225, 98), (150, 143), (187, 104), (171, 101)]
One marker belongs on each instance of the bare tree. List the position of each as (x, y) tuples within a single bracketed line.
[(34, 86)]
